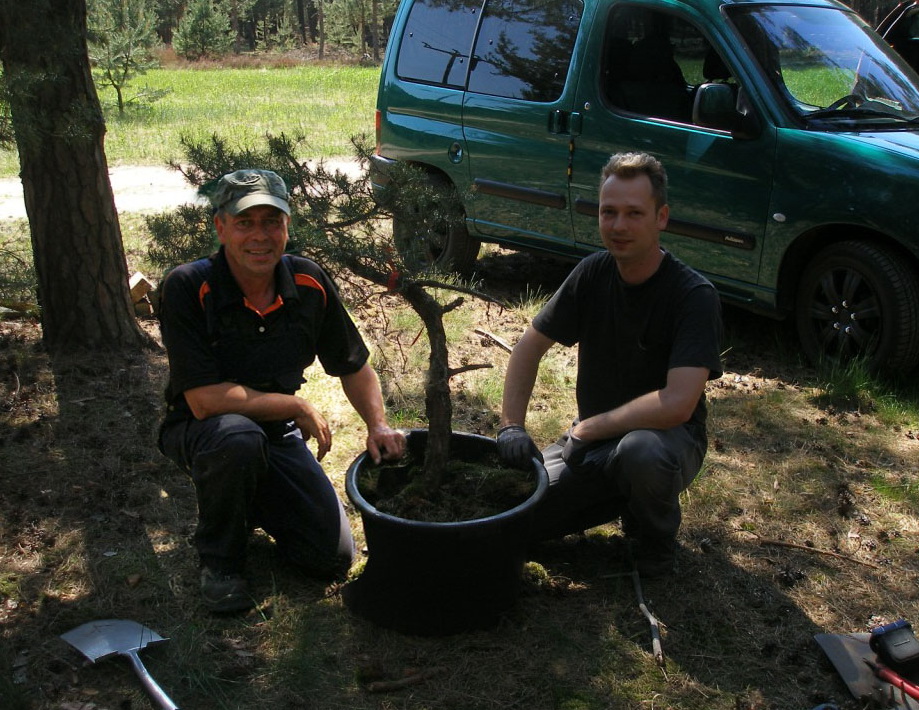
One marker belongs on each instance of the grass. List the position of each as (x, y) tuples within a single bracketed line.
[(327, 103), (818, 87)]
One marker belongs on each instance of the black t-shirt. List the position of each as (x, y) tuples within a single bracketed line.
[(211, 334), (629, 336)]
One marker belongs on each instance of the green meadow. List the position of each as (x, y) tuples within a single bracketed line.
[(327, 104)]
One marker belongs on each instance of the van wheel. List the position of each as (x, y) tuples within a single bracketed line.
[(436, 237), (858, 299)]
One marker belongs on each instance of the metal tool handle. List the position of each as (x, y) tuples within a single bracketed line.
[(156, 692)]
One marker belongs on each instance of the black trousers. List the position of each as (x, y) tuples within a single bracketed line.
[(249, 476), (637, 477)]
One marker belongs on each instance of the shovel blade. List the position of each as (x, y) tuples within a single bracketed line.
[(100, 639)]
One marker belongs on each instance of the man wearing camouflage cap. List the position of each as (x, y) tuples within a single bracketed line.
[(240, 327)]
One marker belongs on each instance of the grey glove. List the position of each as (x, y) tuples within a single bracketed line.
[(515, 447), (574, 450)]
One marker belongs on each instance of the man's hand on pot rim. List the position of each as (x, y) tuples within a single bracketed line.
[(384, 442), (516, 447)]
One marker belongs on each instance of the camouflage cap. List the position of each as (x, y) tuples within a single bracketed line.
[(247, 188)]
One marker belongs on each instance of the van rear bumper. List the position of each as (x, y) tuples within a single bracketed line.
[(380, 173)]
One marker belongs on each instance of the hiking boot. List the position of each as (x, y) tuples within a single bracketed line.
[(654, 558), (224, 593)]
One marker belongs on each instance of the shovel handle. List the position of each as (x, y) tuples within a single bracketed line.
[(152, 687)]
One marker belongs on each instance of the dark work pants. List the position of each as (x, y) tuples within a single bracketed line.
[(247, 476), (638, 477)]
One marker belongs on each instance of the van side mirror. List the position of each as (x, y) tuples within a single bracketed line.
[(718, 106), (715, 106)]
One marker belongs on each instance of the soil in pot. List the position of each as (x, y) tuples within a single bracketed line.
[(468, 490)]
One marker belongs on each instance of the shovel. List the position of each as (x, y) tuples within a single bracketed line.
[(100, 639)]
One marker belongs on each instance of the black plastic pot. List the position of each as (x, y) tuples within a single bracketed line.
[(435, 579)]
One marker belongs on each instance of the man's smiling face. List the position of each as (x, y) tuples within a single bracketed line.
[(254, 240), (630, 221)]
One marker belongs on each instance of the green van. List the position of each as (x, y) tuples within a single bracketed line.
[(790, 131)]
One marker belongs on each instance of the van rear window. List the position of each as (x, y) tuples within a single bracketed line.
[(436, 41), (523, 49)]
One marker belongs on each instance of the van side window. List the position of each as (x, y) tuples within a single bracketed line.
[(524, 48), (653, 63), (436, 41)]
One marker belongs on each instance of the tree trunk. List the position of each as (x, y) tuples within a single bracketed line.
[(320, 14), (312, 20), (438, 405), (234, 27), (301, 22), (57, 119), (362, 30), (375, 29)]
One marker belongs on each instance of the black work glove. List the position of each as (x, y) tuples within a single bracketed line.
[(574, 450), (515, 447)]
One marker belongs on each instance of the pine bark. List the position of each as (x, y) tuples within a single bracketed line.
[(76, 239), (438, 405)]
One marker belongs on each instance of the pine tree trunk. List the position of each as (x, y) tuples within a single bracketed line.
[(312, 20), (301, 22), (438, 405), (320, 12), (76, 238), (234, 27), (375, 28)]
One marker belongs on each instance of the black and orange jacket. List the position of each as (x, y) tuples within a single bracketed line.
[(212, 334)]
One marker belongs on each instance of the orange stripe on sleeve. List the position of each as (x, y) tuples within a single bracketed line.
[(310, 282), (203, 291)]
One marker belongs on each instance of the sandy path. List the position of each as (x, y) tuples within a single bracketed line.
[(136, 188)]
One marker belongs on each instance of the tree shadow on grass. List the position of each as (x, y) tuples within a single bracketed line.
[(731, 637), (96, 524), (93, 516)]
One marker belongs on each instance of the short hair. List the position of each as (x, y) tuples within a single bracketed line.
[(631, 165)]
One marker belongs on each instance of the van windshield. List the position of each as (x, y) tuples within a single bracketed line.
[(829, 66)]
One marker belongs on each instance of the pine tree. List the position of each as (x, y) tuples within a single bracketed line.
[(76, 239), (121, 40), (203, 32)]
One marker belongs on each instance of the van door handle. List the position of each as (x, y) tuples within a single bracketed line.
[(564, 122), (558, 121), (574, 123)]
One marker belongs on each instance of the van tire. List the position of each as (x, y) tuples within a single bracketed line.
[(858, 299), (445, 247)]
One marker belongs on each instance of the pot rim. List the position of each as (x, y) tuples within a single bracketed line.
[(366, 508)]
